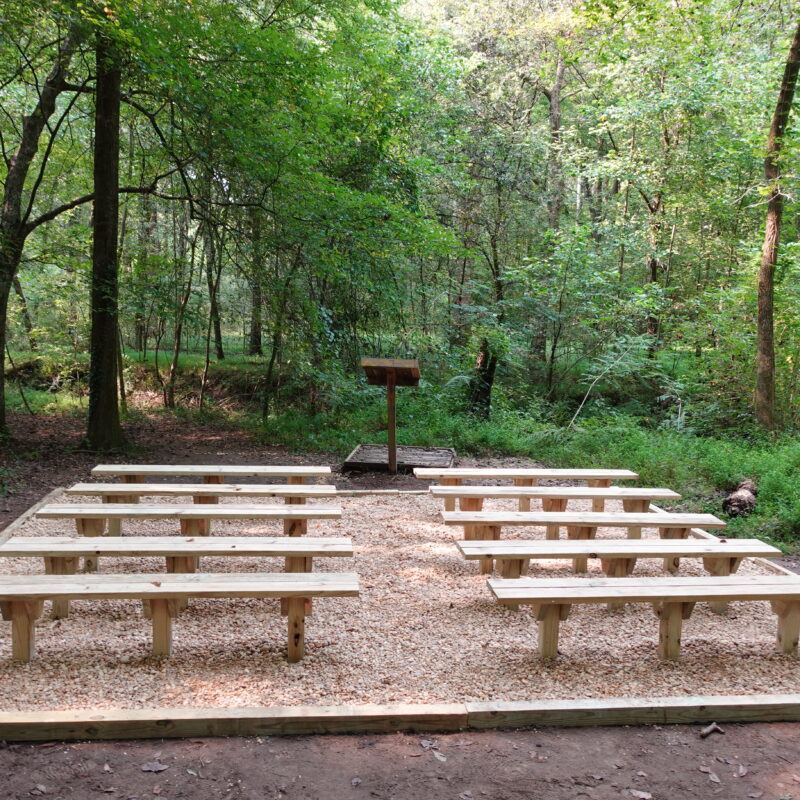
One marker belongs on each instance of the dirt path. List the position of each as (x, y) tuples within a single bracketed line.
[(669, 763)]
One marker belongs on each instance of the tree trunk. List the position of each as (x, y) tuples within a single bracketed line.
[(13, 224), (765, 368), (255, 348), (480, 401), (555, 176), (104, 431), (213, 274), (26, 316)]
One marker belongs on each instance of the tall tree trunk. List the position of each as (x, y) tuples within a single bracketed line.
[(255, 348), (14, 227), (213, 274), (104, 431), (482, 382), (27, 323), (765, 369), (555, 178)]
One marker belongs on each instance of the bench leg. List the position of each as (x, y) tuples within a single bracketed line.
[(183, 565), (549, 618), (450, 502), (161, 613), (669, 630), (60, 566), (553, 504), (617, 568), (296, 614), (295, 527), (115, 525), (524, 503), (23, 615), (720, 566), (195, 527), (788, 624), (489, 532), (510, 567), (580, 532), (470, 503), (636, 506), (673, 564), (297, 564), (599, 504), (90, 527)]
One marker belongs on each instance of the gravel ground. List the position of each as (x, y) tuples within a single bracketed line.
[(424, 630)]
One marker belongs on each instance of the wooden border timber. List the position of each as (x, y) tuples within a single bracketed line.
[(8, 531), (173, 723)]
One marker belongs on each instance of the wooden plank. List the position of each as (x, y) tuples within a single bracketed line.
[(645, 590), (165, 585), (613, 548), (525, 472), (569, 492), (179, 511), (203, 489), (163, 723), (212, 470), (604, 519), (635, 711), (405, 371), (144, 546), (368, 457)]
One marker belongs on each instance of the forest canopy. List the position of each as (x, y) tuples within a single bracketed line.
[(559, 208)]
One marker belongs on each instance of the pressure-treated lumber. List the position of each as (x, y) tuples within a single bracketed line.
[(212, 470), (546, 492), (673, 600), (720, 557), (163, 723), (21, 598), (311, 490), (535, 473), (597, 519)]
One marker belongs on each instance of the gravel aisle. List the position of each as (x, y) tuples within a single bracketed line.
[(424, 630)]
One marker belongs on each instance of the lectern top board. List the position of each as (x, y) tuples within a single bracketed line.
[(380, 371)]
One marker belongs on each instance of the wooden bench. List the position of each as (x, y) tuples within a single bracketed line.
[(673, 600), (62, 553), (618, 556), (579, 525), (553, 498), (210, 473), (22, 596), (600, 478)]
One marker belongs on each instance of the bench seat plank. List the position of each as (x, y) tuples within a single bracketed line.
[(213, 470), (645, 590), (180, 511), (599, 519), (21, 598), (615, 548), (202, 490), (172, 586), (558, 492), (145, 546), (673, 601), (472, 473)]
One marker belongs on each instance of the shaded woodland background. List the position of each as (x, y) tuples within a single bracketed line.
[(558, 208)]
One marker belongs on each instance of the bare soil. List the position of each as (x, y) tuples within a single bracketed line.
[(662, 763)]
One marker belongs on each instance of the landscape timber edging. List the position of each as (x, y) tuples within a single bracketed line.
[(168, 723)]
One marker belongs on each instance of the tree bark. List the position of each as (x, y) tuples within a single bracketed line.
[(765, 366), (14, 227), (213, 275), (27, 323), (255, 347), (483, 381), (104, 431), (555, 176)]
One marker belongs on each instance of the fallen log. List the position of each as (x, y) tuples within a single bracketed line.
[(741, 501)]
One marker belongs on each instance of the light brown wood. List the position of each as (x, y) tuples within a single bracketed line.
[(476, 473), (608, 519), (289, 489), (524, 503), (673, 598), (211, 470), (471, 503), (23, 619), (599, 503), (296, 615), (162, 627), (549, 620), (449, 502), (569, 492), (57, 565), (100, 511)]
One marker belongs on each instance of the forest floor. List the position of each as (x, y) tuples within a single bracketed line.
[(649, 762)]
